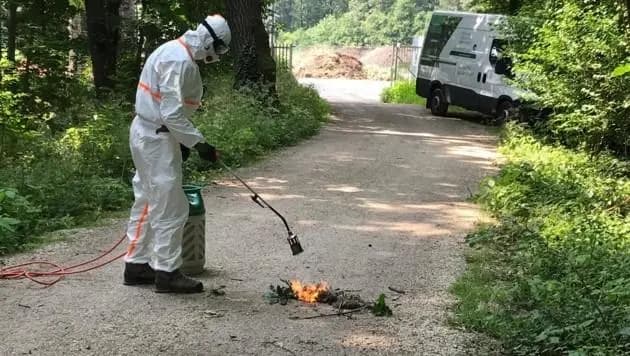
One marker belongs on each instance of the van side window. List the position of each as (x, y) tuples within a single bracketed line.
[(496, 51), (501, 63), (439, 32)]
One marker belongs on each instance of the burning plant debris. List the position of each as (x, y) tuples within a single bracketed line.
[(311, 293), (323, 293)]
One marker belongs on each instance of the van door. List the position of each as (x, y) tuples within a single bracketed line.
[(434, 61), (486, 77), (469, 54)]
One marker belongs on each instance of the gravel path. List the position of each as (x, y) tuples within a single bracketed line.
[(379, 200)]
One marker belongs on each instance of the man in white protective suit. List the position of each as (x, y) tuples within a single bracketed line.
[(161, 136)]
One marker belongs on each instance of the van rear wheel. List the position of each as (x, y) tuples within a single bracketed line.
[(439, 106)]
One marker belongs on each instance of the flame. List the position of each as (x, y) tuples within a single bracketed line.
[(310, 293)]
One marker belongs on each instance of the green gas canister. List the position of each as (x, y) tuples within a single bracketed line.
[(194, 240)]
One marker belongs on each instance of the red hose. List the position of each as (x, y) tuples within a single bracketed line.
[(58, 272)]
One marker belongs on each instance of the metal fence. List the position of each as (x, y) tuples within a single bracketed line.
[(405, 61), (283, 55)]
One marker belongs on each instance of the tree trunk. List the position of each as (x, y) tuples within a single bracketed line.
[(290, 17), (11, 30), (74, 32), (103, 25), (250, 44), (141, 38), (2, 25), (627, 15)]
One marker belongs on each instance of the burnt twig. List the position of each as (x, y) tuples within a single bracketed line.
[(399, 291), (348, 290), (327, 315)]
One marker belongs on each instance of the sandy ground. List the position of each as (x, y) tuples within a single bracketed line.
[(379, 199)]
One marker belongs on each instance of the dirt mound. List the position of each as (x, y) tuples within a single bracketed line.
[(380, 56), (356, 52), (335, 65)]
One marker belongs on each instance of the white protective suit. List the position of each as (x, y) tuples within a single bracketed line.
[(169, 92)]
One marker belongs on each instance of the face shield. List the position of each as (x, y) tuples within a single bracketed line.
[(218, 48)]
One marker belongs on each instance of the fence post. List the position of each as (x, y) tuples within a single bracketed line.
[(396, 63), (283, 55), (291, 58), (391, 68)]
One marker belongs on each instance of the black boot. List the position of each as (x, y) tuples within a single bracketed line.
[(138, 274), (176, 282)]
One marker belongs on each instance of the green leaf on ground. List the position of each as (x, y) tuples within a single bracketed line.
[(380, 307), (621, 70)]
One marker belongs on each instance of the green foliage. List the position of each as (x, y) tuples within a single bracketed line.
[(365, 23), (292, 14), (81, 169), (62, 179), (100, 144), (162, 19), (567, 54), (244, 126), (381, 308), (572, 74), (621, 70), (12, 205), (402, 93), (553, 276), (64, 151), (509, 7)]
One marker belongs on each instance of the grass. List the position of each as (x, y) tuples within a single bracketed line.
[(552, 276), (402, 93), (480, 292)]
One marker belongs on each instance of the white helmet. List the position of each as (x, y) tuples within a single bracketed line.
[(216, 36)]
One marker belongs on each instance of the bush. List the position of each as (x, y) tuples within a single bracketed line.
[(244, 126), (12, 205), (568, 62), (402, 93), (364, 25), (82, 169), (553, 276), (62, 180)]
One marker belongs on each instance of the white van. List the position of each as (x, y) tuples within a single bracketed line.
[(461, 64)]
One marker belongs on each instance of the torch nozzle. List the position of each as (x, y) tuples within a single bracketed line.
[(294, 242)]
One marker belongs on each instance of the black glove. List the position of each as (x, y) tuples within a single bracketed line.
[(207, 152), (185, 152)]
